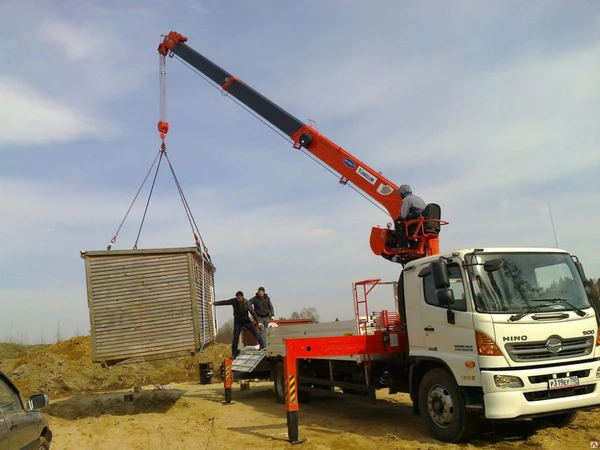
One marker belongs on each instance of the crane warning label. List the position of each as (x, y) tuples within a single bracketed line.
[(366, 175), (384, 189)]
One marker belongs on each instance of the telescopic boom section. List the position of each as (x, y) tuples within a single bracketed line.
[(421, 232), (349, 167)]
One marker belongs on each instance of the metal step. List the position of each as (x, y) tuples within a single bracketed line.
[(247, 361)]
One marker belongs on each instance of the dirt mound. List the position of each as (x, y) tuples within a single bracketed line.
[(67, 368)]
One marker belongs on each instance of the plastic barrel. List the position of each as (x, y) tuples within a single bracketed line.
[(206, 373)]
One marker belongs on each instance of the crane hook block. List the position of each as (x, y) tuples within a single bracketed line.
[(163, 128), (306, 140)]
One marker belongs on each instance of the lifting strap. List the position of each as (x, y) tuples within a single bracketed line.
[(199, 242)]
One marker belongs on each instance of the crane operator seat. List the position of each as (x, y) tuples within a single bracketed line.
[(431, 219), (424, 223)]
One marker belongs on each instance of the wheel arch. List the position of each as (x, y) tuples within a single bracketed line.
[(274, 361), (416, 373)]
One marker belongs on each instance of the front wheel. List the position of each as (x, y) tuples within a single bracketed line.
[(561, 420), (43, 444), (443, 408)]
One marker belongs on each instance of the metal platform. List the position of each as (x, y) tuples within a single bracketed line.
[(247, 360)]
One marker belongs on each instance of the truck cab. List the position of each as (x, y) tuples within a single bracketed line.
[(513, 327)]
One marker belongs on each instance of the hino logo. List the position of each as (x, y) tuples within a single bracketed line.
[(514, 338), (554, 345)]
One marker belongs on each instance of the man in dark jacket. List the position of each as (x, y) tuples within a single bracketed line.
[(241, 309), (264, 310), (412, 207)]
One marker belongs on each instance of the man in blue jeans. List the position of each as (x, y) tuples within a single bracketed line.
[(241, 308), (261, 303)]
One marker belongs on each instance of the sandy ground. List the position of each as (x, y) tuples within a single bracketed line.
[(89, 410)]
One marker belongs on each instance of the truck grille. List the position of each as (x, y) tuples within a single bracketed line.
[(538, 351), (559, 393)]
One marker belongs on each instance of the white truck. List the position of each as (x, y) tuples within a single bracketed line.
[(499, 333), (495, 333)]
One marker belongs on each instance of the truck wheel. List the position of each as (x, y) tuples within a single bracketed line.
[(279, 385), (279, 382), (561, 420), (443, 408)]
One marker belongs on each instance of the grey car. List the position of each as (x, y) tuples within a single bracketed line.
[(21, 425)]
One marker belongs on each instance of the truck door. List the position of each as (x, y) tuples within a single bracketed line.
[(454, 343)]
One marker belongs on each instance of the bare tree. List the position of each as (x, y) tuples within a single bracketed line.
[(225, 333), (306, 313)]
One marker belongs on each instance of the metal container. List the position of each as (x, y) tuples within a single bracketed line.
[(149, 303)]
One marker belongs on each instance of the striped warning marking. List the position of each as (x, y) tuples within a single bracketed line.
[(290, 390), (228, 373)]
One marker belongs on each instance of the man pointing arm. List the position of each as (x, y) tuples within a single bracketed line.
[(241, 309)]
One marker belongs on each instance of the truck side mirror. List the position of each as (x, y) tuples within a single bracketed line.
[(493, 265), (445, 297), (439, 269)]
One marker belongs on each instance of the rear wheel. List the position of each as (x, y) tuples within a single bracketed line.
[(279, 382), (443, 408), (278, 377)]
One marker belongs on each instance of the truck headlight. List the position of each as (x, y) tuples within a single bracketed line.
[(507, 382), (598, 372)]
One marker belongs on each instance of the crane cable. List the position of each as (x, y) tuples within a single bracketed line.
[(148, 201), (163, 128), (114, 238), (284, 136)]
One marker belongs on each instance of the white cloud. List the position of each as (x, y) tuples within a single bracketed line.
[(528, 121), (99, 62), (32, 118), (77, 41)]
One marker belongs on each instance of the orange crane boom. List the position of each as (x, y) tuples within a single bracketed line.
[(350, 168)]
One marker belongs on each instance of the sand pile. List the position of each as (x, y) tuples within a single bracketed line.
[(66, 368)]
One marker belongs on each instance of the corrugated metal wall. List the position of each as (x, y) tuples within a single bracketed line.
[(145, 302), (203, 283)]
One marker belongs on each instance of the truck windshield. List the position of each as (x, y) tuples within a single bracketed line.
[(539, 282)]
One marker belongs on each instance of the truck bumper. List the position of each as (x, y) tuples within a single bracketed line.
[(534, 398)]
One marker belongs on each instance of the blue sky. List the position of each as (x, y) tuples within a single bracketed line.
[(488, 108)]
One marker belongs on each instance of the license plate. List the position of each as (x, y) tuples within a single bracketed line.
[(562, 383)]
